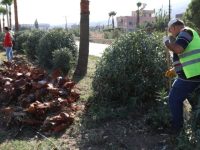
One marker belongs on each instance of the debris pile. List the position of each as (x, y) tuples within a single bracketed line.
[(29, 96)]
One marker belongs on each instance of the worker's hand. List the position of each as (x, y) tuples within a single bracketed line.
[(171, 73), (165, 39)]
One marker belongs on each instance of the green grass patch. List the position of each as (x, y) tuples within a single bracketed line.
[(44, 144), (85, 84)]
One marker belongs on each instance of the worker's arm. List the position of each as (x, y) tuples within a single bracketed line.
[(175, 48), (182, 41)]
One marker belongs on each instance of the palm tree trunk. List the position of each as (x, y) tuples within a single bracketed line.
[(113, 23), (3, 22), (7, 15), (0, 26), (16, 16), (81, 68), (108, 21), (10, 17)]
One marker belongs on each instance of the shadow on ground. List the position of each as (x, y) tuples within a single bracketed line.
[(128, 132)]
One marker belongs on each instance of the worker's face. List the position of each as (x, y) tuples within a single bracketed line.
[(174, 31)]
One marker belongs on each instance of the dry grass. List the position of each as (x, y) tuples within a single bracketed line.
[(2, 55)]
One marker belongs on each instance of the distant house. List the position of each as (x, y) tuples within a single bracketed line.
[(128, 23)]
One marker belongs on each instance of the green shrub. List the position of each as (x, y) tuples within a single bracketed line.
[(21, 40), (131, 70), (62, 60), (52, 40), (32, 43), (75, 32)]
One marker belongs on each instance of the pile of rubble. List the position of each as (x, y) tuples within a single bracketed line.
[(29, 96)]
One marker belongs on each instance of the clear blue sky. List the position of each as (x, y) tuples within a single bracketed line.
[(56, 11)]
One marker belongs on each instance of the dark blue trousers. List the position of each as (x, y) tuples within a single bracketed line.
[(181, 89)]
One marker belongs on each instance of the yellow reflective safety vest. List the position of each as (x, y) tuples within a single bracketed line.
[(190, 57)]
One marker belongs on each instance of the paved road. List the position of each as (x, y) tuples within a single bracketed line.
[(95, 49)]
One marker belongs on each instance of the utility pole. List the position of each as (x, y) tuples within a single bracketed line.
[(16, 16), (169, 10)]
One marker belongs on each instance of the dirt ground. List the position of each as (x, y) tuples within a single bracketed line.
[(125, 134), (130, 133), (97, 37)]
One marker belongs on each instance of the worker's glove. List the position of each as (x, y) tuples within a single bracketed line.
[(165, 39), (171, 73)]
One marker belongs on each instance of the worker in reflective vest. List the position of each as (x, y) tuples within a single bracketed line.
[(186, 61)]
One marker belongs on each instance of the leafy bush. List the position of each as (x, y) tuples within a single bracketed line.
[(75, 32), (21, 40), (62, 60), (32, 43), (52, 40), (131, 70)]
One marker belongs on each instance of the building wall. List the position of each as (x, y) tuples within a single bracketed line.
[(128, 23)]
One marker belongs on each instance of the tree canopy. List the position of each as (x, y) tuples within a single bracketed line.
[(191, 16)]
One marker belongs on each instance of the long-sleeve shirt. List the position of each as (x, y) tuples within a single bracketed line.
[(7, 40)]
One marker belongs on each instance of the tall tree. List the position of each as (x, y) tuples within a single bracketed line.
[(139, 4), (191, 16), (112, 14), (161, 20), (36, 24), (3, 12), (81, 68), (8, 4), (109, 16), (16, 16)]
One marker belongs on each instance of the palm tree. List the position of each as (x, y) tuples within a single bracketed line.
[(3, 12), (16, 16), (81, 68), (8, 4), (109, 14), (139, 4), (112, 14)]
